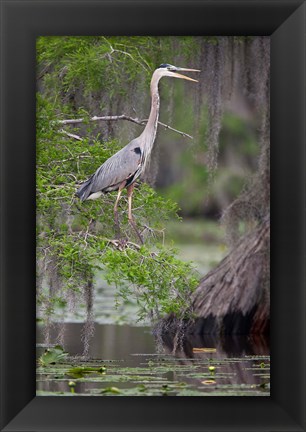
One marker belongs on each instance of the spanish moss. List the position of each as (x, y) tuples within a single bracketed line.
[(88, 328)]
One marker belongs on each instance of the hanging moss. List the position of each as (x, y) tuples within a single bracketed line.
[(253, 204), (88, 328)]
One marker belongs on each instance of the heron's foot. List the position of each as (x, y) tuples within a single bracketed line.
[(132, 222), (120, 244)]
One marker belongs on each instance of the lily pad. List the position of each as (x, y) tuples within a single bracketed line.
[(113, 390), (52, 356), (204, 350), (81, 371)]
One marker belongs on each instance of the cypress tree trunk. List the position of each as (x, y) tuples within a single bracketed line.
[(234, 297)]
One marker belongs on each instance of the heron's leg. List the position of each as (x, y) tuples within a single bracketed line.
[(117, 226), (130, 190)]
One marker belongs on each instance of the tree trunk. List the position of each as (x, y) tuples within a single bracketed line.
[(234, 298)]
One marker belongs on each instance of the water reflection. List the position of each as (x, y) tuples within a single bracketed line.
[(226, 345), (238, 359), (113, 342), (233, 364)]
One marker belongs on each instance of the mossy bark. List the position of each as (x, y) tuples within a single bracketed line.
[(234, 297)]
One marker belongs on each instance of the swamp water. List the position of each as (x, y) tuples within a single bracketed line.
[(127, 360), (124, 361)]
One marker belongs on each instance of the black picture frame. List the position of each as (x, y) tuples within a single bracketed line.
[(21, 23)]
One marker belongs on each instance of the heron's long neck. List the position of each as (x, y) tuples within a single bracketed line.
[(149, 132)]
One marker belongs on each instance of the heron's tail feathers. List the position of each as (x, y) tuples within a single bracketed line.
[(84, 190)]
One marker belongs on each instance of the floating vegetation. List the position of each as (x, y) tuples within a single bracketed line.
[(53, 355), (209, 382), (81, 371), (157, 376), (196, 350)]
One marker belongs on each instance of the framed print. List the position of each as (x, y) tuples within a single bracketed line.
[(42, 46)]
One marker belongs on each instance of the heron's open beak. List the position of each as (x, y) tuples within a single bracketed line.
[(177, 75)]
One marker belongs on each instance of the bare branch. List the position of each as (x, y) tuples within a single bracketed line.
[(104, 118), (184, 134), (87, 232), (116, 118), (77, 137)]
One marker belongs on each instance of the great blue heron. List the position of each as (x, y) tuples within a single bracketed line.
[(123, 168)]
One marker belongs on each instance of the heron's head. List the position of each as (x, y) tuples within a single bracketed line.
[(166, 69)]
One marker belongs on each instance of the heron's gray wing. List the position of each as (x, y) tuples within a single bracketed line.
[(119, 167)]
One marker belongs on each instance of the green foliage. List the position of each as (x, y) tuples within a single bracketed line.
[(101, 64), (75, 239), (161, 283), (52, 356)]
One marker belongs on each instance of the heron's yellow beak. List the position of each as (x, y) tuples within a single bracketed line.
[(177, 75)]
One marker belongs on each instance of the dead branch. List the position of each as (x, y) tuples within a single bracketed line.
[(116, 118), (77, 137)]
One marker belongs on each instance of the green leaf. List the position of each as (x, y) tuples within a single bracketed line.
[(113, 390), (81, 371), (52, 356)]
